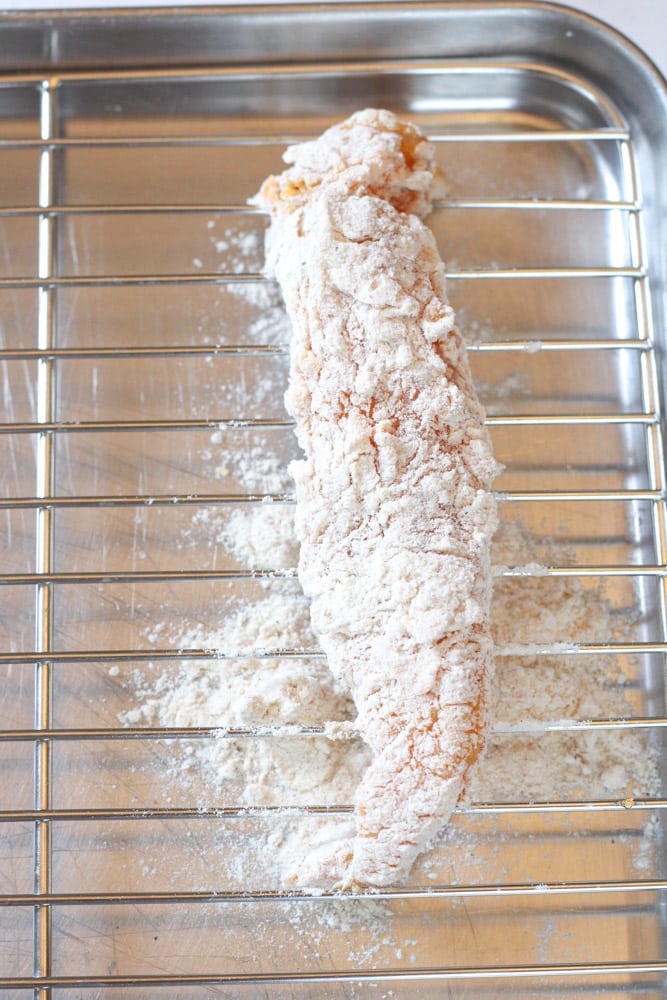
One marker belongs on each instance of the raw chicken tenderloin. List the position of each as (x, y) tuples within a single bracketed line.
[(394, 511)]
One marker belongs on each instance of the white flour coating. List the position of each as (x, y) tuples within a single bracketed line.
[(394, 506)]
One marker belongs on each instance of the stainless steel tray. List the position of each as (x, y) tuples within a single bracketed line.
[(126, 140)]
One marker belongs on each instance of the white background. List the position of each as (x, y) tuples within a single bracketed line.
[(644, 21)]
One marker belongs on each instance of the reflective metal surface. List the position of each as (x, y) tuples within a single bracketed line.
[(125, 139)]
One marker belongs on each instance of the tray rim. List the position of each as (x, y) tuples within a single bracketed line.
[(48, 16)]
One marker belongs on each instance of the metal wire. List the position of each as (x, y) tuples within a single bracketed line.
[(177, 208), (417, 892), (232, 277), (186, 350), (45, 579), (232, 499), (90, 814), (190, 141), (197, 653), (162, 576), (45, 546), (425, 975)]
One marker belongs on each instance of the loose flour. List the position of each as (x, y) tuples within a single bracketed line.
[(530, 689)]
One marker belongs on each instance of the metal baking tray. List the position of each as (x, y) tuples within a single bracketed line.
[(129, 143)]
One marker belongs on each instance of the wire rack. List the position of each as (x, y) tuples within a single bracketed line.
[(102, 310)]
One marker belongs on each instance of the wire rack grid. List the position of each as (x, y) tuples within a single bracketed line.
[(597, 453)]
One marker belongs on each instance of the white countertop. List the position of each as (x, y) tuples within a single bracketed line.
[(643, 21)]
